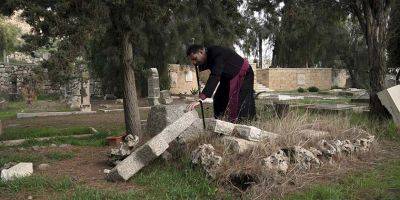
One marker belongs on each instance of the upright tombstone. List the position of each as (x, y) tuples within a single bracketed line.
[(74, 99), (153, 84), (85, 91)]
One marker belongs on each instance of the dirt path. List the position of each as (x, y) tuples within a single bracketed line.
[(87, 167)]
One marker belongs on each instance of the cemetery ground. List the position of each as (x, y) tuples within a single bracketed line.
[(75, 165)]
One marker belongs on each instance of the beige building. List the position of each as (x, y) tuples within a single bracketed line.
[(183, 79), (286, 79)]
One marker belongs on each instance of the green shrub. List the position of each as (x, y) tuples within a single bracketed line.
[(301, 90), (313, 89)]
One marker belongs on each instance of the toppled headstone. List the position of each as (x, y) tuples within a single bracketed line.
[(153, 85), (219, 126), (165, 97), (17, 171), (119, 101), (252, 133), (390, 98), (205, 156), (161, 116), (193, 132), (248, 132), (278, 162), (237, 145), (151, 149)]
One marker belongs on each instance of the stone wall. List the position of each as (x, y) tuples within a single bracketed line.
[(183, 79), (285, 79), (14, 75)]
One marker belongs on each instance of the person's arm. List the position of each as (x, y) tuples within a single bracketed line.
[(214, 78)]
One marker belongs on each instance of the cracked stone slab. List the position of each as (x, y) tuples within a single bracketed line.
[(157, 145)]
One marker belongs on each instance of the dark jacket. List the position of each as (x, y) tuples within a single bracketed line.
[(224, 64)]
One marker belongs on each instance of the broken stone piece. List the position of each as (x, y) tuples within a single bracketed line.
[(17, 171), (278, 162), (327, 149), (205, 156), (237, 145), (305, 158), (131, 140), (315, 151)]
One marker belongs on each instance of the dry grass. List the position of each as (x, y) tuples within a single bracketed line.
[(268, 184)]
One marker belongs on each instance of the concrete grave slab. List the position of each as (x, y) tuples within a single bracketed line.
[(49, 114)]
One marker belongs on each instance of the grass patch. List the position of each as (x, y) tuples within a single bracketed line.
[(7, 157), (35, 185), (29, 133), (38, 106), (12, 109), (96, 140), (170, 182), (158, 181), (382, 182)]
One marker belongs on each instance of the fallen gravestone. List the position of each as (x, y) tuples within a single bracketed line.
[(17, 171), (390, 98), (151, 149)]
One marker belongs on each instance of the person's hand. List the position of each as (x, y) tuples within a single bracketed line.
[(192, 105)]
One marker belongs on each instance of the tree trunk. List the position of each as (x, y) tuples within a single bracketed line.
[(131, 105), (375, 31), (260, 51)]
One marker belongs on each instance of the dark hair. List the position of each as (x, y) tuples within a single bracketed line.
[(194, 48)]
